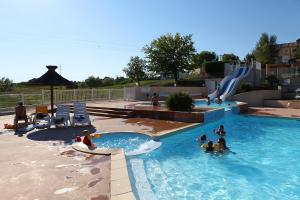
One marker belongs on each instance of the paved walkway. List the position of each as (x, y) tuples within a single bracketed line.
[(41, 164), (275, 112)]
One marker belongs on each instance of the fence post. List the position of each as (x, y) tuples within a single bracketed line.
[(74, 95), (55, 101), (109, 94), (92, 94), (22, 99), (43, 96), (124, 93)]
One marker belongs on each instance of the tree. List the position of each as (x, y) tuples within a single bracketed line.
[(249, 57), (230, 58), (170, 54), (106, 81), (6, 84), (203, 56), (93, 82), (266, 50), (298, 52), (136, 69)]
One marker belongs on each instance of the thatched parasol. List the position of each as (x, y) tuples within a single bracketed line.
[(52, 78)]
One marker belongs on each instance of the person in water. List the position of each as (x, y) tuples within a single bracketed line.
[(221, 145), (210, 147), (87, 140), (221, 132), (202, 139)]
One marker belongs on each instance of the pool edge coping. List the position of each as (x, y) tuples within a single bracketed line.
[(120, 185)]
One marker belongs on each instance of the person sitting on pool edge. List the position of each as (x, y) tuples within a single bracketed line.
[(154, 99), (221, 132), (87, 140)]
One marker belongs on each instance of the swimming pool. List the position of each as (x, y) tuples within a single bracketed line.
[(266, 164), (226, 104)]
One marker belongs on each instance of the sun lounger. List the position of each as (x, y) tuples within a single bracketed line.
[(62, 116), (42, 118), (80, 115)]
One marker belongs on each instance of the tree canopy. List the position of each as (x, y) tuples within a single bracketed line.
[(136, 69), (249, 57), (170, 54), (6, 84), (203, 56), (230, 58), (298, 52), (93, 81), (266, 50)]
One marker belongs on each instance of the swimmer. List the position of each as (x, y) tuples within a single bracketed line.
[(202, 139), (221, 145), (210, 147), (221, 132)]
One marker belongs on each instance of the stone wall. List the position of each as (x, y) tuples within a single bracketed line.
[(145, 93), (257, 97), (282, 103)]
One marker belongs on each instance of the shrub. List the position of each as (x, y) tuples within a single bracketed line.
[(245, 87), (180, 101), (191, 83), (214, 68), (272, 80)]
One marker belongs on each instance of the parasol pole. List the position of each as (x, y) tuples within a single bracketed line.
[(51, 88)]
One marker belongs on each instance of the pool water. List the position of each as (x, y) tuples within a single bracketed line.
[(128, 141), (266, 163), (226, 104)]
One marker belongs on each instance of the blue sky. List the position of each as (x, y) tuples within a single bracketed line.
[(97, 37)]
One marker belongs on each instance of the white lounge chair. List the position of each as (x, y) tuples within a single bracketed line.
[(297, 97), (80, 115), (62, 115)]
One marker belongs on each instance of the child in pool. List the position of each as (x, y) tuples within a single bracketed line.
[(221, 145), (202, 139), (221, 132), (210, 147)]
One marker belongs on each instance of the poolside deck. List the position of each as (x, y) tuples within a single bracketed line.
[(40, 157), (274, 112)]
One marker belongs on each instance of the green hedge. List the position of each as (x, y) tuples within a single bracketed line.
[(214, 68), (191, 83)]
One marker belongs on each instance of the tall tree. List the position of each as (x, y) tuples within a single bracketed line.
[(170, 54), (249, 57), (136, 69), (6, 84), (92, 81), (200, 58), (298, 52), (266, 50), (230, 58)]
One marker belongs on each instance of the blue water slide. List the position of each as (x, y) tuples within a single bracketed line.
[(234, 83), (225, 83)]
